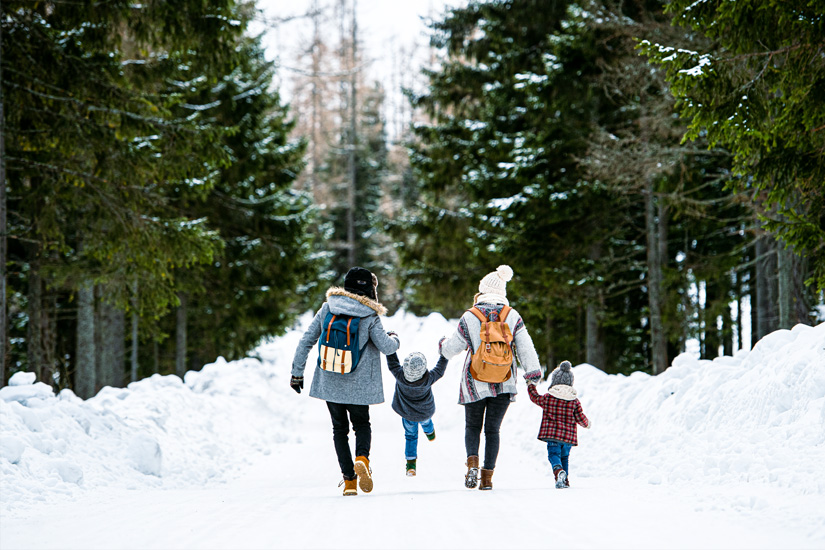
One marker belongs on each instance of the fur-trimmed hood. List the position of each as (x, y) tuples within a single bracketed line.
[(562, 391), (369, 302)]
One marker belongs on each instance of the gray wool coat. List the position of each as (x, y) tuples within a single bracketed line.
[(363, 386)]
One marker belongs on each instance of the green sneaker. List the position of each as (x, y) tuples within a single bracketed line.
[(411, 468)]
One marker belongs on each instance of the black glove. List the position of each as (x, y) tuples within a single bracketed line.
[(296, 383)]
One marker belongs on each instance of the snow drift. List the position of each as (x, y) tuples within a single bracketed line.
[(758, 416)]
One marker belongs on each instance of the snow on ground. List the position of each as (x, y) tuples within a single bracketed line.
[(724, 454)]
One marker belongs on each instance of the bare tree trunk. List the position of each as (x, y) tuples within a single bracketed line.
[(110, 326), (134, 351), (802, 305), (117, 341), (662, 235), (753, 292), (762, 295), (701, 306), (352, 143), (155, 357), (654, 285), (34, 329), (738, 290), (133, 360), (595, 341), (785, 277), (727, 331), (85, 378), (100, 375), (687, 305), (180, 338), (48, 339), (4, 325), (713, 335), (768, 318), (593, 310)]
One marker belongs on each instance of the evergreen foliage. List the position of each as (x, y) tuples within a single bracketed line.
[(554, 147), (265, 269), (146, 158), (758, 89)]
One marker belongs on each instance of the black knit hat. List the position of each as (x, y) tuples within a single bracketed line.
[(360, 281)]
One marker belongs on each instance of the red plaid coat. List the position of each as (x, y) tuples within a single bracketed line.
[(559, 416)]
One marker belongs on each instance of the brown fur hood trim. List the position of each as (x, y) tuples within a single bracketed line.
[(369, 302)]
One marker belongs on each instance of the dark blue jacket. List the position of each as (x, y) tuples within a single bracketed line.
[(414, 400)]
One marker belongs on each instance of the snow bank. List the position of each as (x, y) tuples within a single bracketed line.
[(158, 432), (758, 417)]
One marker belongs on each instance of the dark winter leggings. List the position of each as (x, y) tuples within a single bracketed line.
[(359, 415), (488, 412)]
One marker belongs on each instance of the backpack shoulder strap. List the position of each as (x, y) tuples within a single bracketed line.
[(505, 311), (477, 312)]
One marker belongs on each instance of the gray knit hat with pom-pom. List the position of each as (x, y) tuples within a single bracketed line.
[(562, 375)]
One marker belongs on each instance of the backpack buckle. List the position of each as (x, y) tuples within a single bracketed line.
[(489, 347)]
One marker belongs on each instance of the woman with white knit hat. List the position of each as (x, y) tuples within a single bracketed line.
[(486, 402)]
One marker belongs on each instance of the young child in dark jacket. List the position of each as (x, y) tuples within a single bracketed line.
[(561, 411), (413, 399)]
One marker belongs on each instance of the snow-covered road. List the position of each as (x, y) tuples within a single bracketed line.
[(272, 473), (289, 499)]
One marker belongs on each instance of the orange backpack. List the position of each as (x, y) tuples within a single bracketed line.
[(493, 359)]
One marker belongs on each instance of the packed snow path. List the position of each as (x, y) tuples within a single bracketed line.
[(275, 484)]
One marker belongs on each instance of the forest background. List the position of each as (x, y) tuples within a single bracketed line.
[(653, 172)]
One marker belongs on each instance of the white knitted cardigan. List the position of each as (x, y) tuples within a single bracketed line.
[(472, 390)]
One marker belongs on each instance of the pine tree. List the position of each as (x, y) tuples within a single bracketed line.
[(139, 126), (259, 281), (757, 89), (554, 147)]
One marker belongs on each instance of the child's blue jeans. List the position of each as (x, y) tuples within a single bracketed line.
[(558, 454), (411, 434)]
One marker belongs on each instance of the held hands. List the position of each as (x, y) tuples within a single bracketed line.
[(296, 383), (393, 334), (441, 343), (533, 380)]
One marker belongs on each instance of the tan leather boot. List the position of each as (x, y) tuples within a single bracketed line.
[(362, 470), (350, 486), (471, 479), (486, 480)]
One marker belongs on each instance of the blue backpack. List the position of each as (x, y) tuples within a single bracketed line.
[(338, 346)]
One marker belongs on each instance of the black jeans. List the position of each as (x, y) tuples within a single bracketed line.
[(359, 415), (488, 412)]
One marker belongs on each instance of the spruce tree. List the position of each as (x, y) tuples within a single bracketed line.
[(758, 89)]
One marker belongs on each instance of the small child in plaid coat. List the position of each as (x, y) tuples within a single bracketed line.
[(561, 412)]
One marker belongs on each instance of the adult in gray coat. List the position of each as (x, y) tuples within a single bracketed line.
[(351, 393)]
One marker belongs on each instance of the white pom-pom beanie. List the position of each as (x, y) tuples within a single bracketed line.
[(496, 282), (415, 366)]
